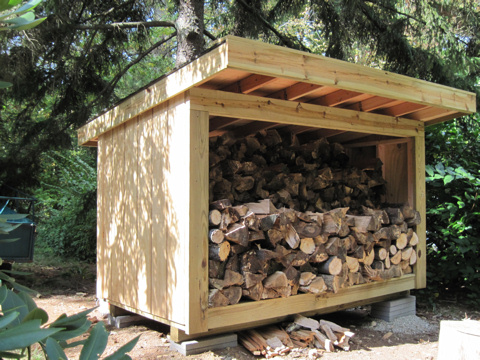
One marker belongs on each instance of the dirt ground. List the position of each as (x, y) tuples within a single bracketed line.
[(71, 289)]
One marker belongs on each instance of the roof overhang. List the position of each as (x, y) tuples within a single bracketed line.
[(238, 65)]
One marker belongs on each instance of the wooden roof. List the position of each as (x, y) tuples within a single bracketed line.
[(251, 67)]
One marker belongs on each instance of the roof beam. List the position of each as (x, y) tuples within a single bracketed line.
[(249, 84), (295, 91)]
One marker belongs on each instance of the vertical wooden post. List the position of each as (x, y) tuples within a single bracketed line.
[(197, 304), (420, 204)]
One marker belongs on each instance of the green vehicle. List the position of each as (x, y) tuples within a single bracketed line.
[(17, 229)]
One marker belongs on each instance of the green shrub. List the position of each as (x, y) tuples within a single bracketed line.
[(67, 205), (453, 194)]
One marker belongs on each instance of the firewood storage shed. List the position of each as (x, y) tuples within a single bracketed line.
[(153, 170)]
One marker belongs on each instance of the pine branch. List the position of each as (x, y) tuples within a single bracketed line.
[(396, 11), (126, 25), (139, 58), (269, 26)]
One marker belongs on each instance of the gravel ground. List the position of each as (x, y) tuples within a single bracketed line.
[(411, 324)]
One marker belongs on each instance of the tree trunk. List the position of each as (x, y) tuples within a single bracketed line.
[(190, 28)]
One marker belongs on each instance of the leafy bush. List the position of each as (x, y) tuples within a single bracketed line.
[(67, 204), (22, 324), (453, 194)]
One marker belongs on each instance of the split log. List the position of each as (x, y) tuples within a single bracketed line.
[(415, 220), (233, 278), (402, 241), (413, 258), (317, 286), (216, 298), (254, 293), (395, 259), (369, 258), (352, 263), (237, 233), (395, 215), (262, 207), (307, 230), (305, 322), (276, 280), (413, 240), (324, 341), (319, 255), (219, 252), (407, 253), (306, 278), (256, 235), (333, 282), (233, 294), (216, 269), (252, 280), (221, 204), (291, 236)]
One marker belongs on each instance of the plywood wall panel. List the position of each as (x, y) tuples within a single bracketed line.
[(117, 205), (131, 211), (143, 252), (102, 291)]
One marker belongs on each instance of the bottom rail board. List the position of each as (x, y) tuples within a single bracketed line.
[(255, 311)]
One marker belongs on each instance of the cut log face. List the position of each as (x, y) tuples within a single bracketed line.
[(216, 236), (307, 245), (214, 217), (333, 266)]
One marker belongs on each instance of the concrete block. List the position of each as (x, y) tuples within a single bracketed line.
[(393, 309), (192, 347), (125, 320)]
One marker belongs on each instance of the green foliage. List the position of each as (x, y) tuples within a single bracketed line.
[(22, 324), (67, 205), (453, 200), (14, 16)]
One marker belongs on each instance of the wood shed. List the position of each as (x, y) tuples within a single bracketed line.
[(153, 171)]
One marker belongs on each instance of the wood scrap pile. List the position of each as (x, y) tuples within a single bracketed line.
[(302, 333), (259, 252), (313, 176)]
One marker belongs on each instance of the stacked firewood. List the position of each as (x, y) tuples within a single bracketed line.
[(302, 333), (257, 251), (314, 176)]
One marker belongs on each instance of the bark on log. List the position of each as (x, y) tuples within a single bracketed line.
[(219, 252)]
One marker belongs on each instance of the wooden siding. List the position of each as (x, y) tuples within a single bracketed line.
[(152, 224)]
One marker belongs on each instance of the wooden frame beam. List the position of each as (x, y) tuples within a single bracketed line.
[(235, 315), (251, 107)]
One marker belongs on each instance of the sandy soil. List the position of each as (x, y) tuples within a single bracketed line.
[(71, 290)]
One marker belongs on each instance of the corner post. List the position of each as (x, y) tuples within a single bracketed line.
[(197, 303), (420, 269)]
